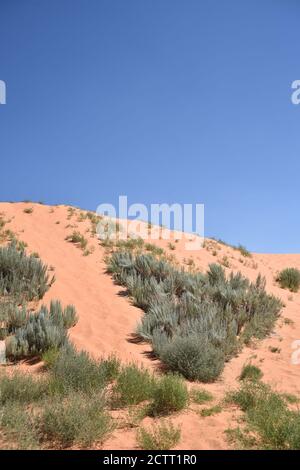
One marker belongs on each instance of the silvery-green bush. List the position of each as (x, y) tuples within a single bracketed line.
[(194, 321)]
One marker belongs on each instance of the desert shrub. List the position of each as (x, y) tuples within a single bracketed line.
[(110, 368), (194, 321), (46, 329), (22, 276), (65, 318), (38, 335), (170, 395), (247, 395), (195, 361), (162, 436), (201, 396), (289, 278), (251, 372), (154, 249), (76, 371), (78, 239), (130, 244), (290, 398), (21, 388), (244, 252), (12, 317), (50, 357), (133, 385), (18, 428), (28, 210), (273, 424), (78, 420)]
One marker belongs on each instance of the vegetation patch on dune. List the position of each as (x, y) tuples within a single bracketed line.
[(289, 278), (268, 421), (162, 436), (21, 276), (194, 321)]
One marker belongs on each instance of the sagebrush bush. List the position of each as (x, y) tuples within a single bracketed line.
[(134, 385), (46, 329), (194, 321), (289, 278), (170, 395), (77, 420), (22, 276), (193, 360), (66, 318), (162, 436)]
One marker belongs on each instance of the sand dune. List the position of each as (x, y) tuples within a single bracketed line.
[(107, 319)]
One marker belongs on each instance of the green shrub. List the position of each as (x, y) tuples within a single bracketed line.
[(289, 278), (18, 428), (50, 357), (154, 249), (201, 396), (76, 371), (110, 368), (22, 276), (78, 239), (130, 244), (244, 252), (162, 436), (250, 372), (78, 420), (268, 417), (193, 359), (170, 395), (247, 395), (133, 385), (21, 388)]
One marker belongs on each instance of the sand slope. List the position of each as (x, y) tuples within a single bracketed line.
[(107, 318)]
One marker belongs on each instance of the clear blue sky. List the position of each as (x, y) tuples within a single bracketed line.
[(161, 100)]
